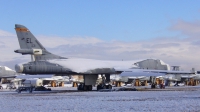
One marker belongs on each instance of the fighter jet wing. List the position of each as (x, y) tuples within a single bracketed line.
[(142, 72), (188, 76), (7, 76), (170, 72)]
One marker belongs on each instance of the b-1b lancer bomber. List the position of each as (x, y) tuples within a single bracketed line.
[(44, 62)]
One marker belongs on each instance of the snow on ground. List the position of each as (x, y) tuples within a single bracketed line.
[(94, 101)]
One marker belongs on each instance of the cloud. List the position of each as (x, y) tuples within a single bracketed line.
[(173, 51), (55, 41), (191, 29), (183, 52), (166, 45), (5, 34), (197, 43)]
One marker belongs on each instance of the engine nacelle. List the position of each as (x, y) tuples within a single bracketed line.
[(41, 67), (29, 51)]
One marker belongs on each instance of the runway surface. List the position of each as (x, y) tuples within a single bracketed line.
[(179, 99)]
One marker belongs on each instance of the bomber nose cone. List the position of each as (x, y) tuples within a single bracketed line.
[(19, 68)]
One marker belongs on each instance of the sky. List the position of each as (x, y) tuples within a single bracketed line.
[(110, 30)]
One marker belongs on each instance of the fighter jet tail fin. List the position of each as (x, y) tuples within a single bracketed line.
[(26, 39), (30, 45)]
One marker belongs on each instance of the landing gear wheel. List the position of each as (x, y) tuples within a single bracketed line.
[(98, 87), (153, 86), (108, 87), (18, 91), (85, 88), (80, 87), (30, 90), (104, 87), (90, 88)]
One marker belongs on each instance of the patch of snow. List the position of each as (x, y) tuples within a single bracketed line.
[(101, 101)]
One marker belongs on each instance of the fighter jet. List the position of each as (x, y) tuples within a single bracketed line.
[(44, 62), (6, 72)]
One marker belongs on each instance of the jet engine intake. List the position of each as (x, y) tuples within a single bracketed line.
[(19, 68)]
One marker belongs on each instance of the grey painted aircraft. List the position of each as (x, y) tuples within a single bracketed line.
[(44, 62)]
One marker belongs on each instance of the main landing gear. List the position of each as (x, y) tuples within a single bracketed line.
[(90, 80), (84, 87), (103, 84)]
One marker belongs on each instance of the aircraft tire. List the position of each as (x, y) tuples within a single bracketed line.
[(98, 87), (153, 86), (90, 87), (104, 87), (18, 91), (80, 87), (109, 87), (30, 90), (85, 88)]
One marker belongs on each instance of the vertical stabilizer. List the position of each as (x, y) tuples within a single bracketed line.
[(30, 45), (26, 39)]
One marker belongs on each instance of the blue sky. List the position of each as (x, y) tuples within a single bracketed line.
[(107, 20)]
